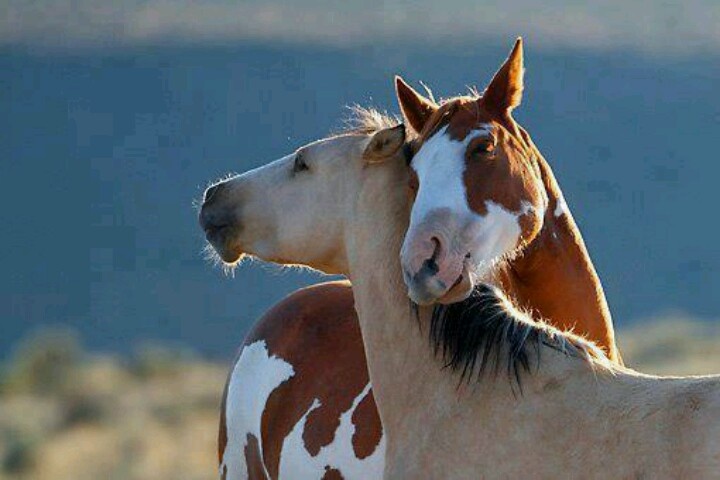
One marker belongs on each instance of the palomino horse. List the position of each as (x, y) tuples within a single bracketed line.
[(574, 413), (331, 367), (298, 402)]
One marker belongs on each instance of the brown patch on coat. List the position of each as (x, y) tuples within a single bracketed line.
[(365, 418), (315, 330), (332, 474), (222, 430), (555, 279), (254, 462), (505, 176)]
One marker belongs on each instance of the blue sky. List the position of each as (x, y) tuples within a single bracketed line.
[(652, 27)]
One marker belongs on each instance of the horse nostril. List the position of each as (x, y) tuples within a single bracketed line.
[(430, 265), (436, 250), (211, 222)]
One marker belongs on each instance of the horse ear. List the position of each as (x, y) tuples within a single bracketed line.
[(384, 144), (415, 108), (505, 90)]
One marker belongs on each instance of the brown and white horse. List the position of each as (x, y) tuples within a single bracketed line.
[(487, 205), (337, 382), (577, 414)]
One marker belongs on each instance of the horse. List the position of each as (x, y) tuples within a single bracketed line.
[(307, 352), (339, 391), (486, 202), (426, 415)]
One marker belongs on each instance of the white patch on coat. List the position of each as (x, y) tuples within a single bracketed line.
[(561, 207), (297, 463), (498, 235), (255, 376), (440, 165)]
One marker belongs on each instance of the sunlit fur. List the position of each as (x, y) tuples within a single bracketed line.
[(228, 269), (367, 120)]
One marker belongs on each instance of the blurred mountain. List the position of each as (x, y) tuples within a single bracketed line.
[(104, 150), (654, 27)]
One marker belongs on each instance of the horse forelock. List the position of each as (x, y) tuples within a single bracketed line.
[(486, 333)]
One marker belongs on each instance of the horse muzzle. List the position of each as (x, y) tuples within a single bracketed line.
[(220, 225), (433, 274), (424, 288)]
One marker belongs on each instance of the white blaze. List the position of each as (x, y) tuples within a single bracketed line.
[(440, 165), (561, 207)]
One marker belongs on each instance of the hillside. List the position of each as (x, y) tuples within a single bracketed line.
[(66, 414)]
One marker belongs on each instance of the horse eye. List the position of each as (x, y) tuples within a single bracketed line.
[(485, 149), (300, 165)]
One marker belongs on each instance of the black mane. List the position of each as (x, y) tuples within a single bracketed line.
[(485, 331)]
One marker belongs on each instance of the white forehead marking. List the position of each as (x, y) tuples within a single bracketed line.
[(255, 376), (439, 165), (296, 461)]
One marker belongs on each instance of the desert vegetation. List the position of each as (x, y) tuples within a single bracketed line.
[(67, 413)]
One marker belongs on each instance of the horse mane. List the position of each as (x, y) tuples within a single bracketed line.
[(366, 120), (485, 331)]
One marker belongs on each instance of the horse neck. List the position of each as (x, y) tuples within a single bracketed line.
[(416, 397), (555, 278), (400, 362)]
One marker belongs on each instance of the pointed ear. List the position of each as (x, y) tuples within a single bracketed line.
[(415, 108), (384, 144), (505, 90)]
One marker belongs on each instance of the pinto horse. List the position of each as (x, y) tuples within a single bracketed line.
[(565, 407), (487, 206)]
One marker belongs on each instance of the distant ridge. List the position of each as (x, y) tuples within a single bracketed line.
[(664, 29), (106, 152)]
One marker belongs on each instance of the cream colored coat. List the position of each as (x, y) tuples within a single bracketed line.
[(576, 418)]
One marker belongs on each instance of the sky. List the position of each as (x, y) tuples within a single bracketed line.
[(120, 114), (650, 27)]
